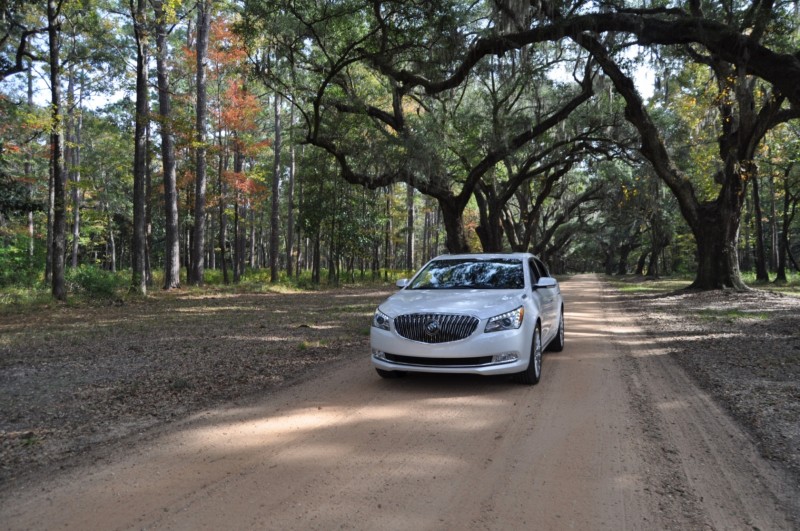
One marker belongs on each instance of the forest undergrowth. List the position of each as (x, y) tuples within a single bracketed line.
[(77, 376)]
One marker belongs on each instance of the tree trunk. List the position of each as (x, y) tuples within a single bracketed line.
[(242, 240), (773, 223), (199, 232), (251, 215), (76, 123), (652, 265), (276, 179), (658, 242), (138, 279), (148, 203), (640, 264), (238, 219), (59, 290), (761, 255), (223, 218), (409, 228), (333, 251), (452, 216), (746, 258), (717, 235), (235, 250), (315, 261), (437, 224), (624, 253), (290, 199), (112, 243), (490, 230), (789, 210), (27, 169), (608, 259), (172, 246), (387, 234)]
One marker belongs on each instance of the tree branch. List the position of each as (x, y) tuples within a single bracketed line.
[(782, 70), (21, 53), (653, 147)]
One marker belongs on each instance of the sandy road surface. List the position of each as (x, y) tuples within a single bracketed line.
[(614, 437)]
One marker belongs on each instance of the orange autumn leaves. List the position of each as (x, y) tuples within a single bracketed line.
[(236, 109)]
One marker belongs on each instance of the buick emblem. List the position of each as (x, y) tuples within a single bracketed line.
[(432, 327)]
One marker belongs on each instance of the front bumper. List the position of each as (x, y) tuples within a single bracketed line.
[(506, 352)]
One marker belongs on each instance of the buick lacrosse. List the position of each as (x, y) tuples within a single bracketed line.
[(474, 313)]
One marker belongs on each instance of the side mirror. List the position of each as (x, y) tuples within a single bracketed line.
[(546, 282), (403, 282)]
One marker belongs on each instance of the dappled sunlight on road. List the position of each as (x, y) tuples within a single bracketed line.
[(252, 430), (325, 448), (209, 310), (587, 335), (259, 339), (670, 405)]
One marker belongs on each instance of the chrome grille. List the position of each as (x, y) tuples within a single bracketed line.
[(435, 328)]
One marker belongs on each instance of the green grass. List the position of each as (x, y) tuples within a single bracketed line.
[(791, 287), (95, 287), (731, 315), (633, 285), (23, 297), (91, 286)]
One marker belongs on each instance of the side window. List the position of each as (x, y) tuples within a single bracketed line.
[(535, 275), (542, 268)]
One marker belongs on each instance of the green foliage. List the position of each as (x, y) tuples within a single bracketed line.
[(17, 267), (732, 315), (95, 283), (329, 61), (15, 297), (15, 197)]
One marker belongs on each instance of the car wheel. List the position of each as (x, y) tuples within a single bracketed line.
[(390, 374), (557, 344), (533, 373)]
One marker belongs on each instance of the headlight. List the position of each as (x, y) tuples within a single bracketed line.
[(380, 320), (506, 321)]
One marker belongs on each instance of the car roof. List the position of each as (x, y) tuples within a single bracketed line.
[(485, 256)]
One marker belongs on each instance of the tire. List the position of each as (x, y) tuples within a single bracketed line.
[(557, 344), (533, 373), (390, 374)]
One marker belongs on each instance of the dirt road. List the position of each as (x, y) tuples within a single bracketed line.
[(614, 437)]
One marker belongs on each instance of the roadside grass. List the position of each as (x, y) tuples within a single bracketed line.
[(732, 315), (791, 287), (632, 284), (93, 287)]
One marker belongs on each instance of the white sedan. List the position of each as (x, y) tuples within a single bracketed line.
[(473, 313)]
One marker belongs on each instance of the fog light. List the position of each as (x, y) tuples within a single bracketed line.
[(505, 357), (378, 354)]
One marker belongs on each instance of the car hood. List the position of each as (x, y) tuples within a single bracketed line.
[(480, 303)]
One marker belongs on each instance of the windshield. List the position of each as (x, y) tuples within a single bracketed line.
[(471, 274)]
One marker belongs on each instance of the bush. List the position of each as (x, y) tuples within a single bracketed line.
[(94, 282), (16, 267)]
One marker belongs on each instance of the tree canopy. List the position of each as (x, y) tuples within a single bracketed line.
[(366, 134)]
